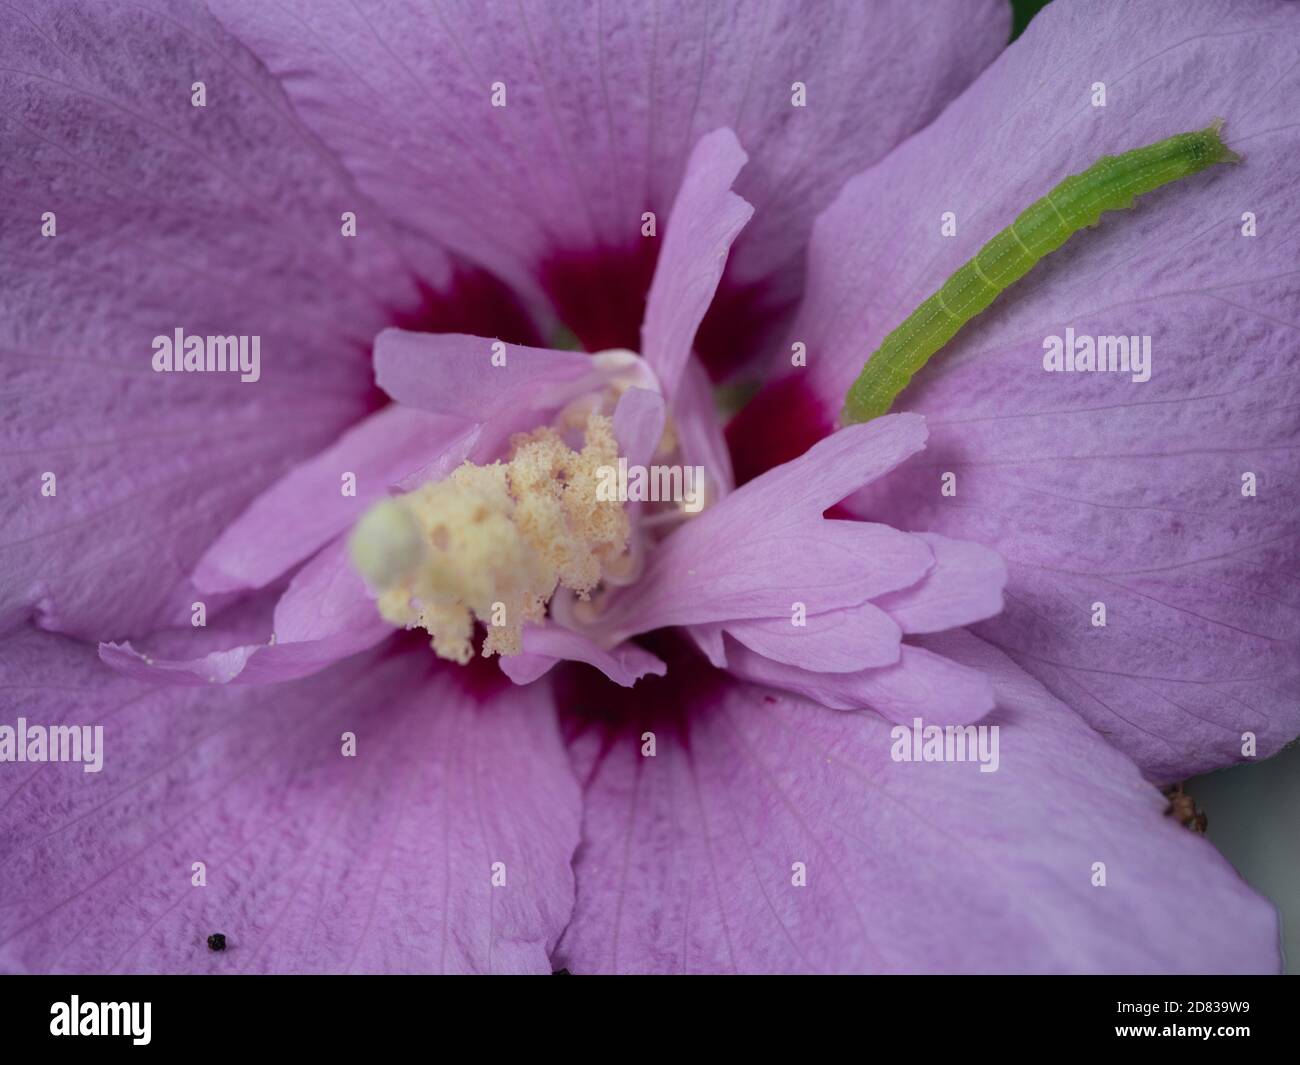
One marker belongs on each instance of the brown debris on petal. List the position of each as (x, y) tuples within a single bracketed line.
[(1182, 807)]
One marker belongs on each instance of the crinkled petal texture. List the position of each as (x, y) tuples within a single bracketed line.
[(308, 507), (221, 220), (1095, 488), (443, 845), (705, 221), (691, 858), (531, 138), (768, 544), (325, 614), (777, 593)]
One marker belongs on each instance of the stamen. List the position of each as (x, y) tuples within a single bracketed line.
[(492, 543)]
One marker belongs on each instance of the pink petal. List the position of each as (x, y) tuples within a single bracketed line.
[(917, 684), (306, 508), (639, 424), (603, 103), (324, 615), (315, 862), (699, 428), (739, 568), (706, 217), (1094, 488), (222, 221), (545, 646), (833, 468), (766, 546), (688, 858), (838, 641), (965, 585), (456, 375), (709, 640)]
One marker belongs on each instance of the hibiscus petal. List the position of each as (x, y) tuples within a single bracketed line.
[(740, 569), (1097, 489), (639, 424), (221, 220), (306, 508), (688, 860), (545, 646), (458, 376), (601, 106), (699, 429), (765, 546), (314, 862), (918, 684), (707, 216), (832, 469), (964, 586), (710, 640), (324, 615), (837, 641)]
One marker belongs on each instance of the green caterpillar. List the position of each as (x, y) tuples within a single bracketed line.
[(1110, 184)]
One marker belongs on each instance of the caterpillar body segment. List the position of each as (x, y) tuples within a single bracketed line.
[(1112, 183)]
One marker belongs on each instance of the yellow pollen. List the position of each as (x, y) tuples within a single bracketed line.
[(492, 543)]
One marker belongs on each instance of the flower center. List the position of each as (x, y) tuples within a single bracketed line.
[(493, 543)]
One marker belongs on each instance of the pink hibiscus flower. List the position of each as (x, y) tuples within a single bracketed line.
[(666, 735)]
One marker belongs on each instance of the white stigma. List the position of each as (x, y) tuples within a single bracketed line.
[(387, 544)]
